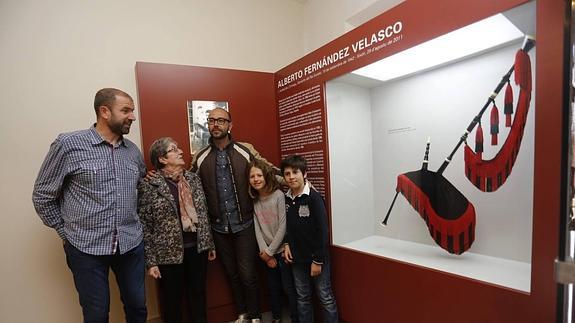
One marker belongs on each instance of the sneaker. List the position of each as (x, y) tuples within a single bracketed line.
[(242, 318)]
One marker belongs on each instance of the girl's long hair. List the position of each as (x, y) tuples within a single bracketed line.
[(269, 176)]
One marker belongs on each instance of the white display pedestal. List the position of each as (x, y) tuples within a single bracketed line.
[(498, 271)]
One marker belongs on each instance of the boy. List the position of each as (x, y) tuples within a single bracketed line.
[(306, 241)]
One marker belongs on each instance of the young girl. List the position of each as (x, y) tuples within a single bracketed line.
[(270, 227)]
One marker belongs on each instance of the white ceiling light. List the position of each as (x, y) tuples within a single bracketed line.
[(472, 39)]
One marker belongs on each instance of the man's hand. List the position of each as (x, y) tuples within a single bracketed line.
[(310, 184), (287, 254), (154, 272), (211, 255), (151, 174), (315, 269)]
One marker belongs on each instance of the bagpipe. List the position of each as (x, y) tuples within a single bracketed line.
[(448, 214)]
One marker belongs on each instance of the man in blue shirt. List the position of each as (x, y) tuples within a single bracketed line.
[(86, 190)]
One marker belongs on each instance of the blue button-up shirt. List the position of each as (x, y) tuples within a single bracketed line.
[(87, 191), (228, 202)]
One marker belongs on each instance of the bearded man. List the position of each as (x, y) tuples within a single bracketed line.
[(223, 169), (86, 191)]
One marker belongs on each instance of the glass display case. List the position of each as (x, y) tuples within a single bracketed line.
[(379, 126)]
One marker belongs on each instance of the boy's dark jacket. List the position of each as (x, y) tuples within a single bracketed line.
[(307, 227)]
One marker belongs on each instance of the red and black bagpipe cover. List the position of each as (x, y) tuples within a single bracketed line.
[(449, 216), (489, 175)]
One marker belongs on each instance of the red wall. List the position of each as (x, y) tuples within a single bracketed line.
[(163, 91), (376, 289)]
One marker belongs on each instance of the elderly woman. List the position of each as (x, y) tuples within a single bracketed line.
[(177, 235)]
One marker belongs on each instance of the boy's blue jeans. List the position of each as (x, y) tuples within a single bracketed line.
[(322, 284)]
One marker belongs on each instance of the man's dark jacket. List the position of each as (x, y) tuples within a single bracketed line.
[(205, 166)]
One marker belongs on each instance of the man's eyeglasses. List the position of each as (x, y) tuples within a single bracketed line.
[(218, 121)]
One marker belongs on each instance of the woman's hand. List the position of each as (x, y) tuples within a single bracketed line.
[(211, 255), (315, 269), (287, 254), (154, 272)]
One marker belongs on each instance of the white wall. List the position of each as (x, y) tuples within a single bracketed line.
[(351, 161), (54, 56), (441, 104), (326, 20)]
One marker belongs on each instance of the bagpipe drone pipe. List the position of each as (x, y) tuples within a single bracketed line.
[(489, 175), (448, 214)]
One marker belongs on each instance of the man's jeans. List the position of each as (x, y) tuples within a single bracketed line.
[(238, 252), (322, 283), (91, 280)]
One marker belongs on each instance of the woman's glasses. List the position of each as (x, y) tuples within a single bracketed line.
[(172, 149)]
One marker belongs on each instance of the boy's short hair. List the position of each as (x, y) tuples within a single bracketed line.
[(295, 162)]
